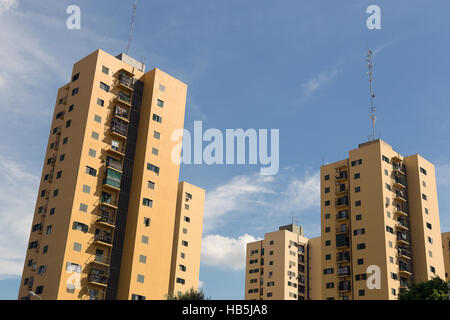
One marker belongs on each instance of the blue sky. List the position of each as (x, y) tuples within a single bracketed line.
[(297, 66)]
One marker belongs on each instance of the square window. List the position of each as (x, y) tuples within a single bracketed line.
[(157, 118), (147, 202), (83, 207), (162, 88), (75, 77), (140, 278), (97, 118), (327, 177), (95, 135), (357, 176), (68, 123), (104, 87), (187, 219), (71, 108), (357, 189), (360, 261), (185, 230), (142, 259), (86, 189), (75, 91), (155, 151), (105, 70), (92, 153), (358, 217), (58, 174), (65, 140), (61, 157), (151, 185), (100, 102), (156, 135), (77, 246), (144, 239), (160, 103)]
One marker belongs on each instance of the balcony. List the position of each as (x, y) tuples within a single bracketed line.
[(114, 164), (341, 202), (343, 256), (121, 113), (103, 239), (106, 219), (342, 229), (342, 215), (341, 189), (341, 175), (401, 169), (119, 128), (112, 179), (399, 182), (344, 286), (342, 241), (404, 253), (402, 238), (101, 260), (108, 202), (125, 81), (97, 279), (96, 295), (401, 225), (343, 271), (404, 269), (124, 98), (116, 150), (400, 196)]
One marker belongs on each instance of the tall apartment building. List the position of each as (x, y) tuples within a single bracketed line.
[(446, 254), (378, 209), (107, 212), (283, 266)]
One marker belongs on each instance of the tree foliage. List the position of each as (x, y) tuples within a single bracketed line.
[(191, 294), (435, 289)]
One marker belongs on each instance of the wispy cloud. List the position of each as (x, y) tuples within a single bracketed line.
[(6, 5), (17, 195), (319, 80), (224, 252)]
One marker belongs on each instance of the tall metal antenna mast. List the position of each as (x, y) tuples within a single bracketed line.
[(373, 109), (132, 26)]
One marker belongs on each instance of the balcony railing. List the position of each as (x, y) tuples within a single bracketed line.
[(343, 271), (103, 238), (404, 252), (343, 256), (96, 295), (344, 214), (126, 80), (121, 112), (401, 236), (344, 286), (102, 259), (403, 267), (341, 175), (115, 164), (343, 201), (119, 127), (123, 97), (98, 278)]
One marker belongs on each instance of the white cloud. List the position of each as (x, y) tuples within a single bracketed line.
[(238, 194), (224, 252), (302, 194), (443, 175), (319, 80), (200, 284), (17, 196), (5, 5)]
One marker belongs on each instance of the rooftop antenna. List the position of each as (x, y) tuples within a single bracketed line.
[(132, 26), (373, 109)]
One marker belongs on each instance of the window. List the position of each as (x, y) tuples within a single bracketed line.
[(140, 278), (75, 91), (92, 153), (97, 118), (180, 281), (430, 253), (160, 103), (187, 219), (357, 189), (426, 210), (360, 261), (327, 177), (54, 130), (61, 157), (157, 118), (155, 151), (182, 255), (361, 246), (429, 225), (185, 230), (327, 203), (356, 162), (358, 203), (430, 240), (424, 196), (328, 243), (424, 184), (100, 102), (95, 135), (182, 267), (91, 171), (389, 229), (327, 229), (327, 215), (77, 246), (58, 174), (52, 211), (144, 239), (137, 297), (142, 259), (42, 269), (359, 231), (45, 250), (388, 186), (83, 207), (49, 230), (357, 176), (147, 221), (393, 292), (327, 190), (39, 290), (386, 159), (86, 189), (185, 243), (75, 77), (68, 123), (358, 217), (55, 193), (162, 88), (186, 206), (105, 70), (328, 271), (432, 269), (391, 259), (330, 285), (156, 135), (328, 257), (65, 140), (104, 86), (80, 226), (362, 292), (147, 202), (386, 172), (153, 168), (422, 170), (151, 185), (71, 108)]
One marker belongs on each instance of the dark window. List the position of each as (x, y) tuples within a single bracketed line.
[(160, 103), (147, 202), (157, 118), (91, 171), (360, 246), (360, 261), (65, 140), (327, 177), (75, 77), (327, 190), (104, 86), (75, 91), (71, 108), (422, 170), (327, 203), (358, 217), (357, 176), (39, 289), (358, 203), (100, 102), (153, 168)]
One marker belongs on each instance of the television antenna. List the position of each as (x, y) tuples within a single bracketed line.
[(373, 109), (133, 18)]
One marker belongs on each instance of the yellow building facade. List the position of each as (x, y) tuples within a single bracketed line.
[(285, 265), (380, 224), (106, 214), (446, 254)]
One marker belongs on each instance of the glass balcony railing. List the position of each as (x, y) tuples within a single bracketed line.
[(98, 278), (102, 259), (103, 238), (123, 97)]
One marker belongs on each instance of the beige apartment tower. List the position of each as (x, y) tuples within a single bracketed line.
[(446, 254), (285, 265), (112, 220), (379, 213)]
